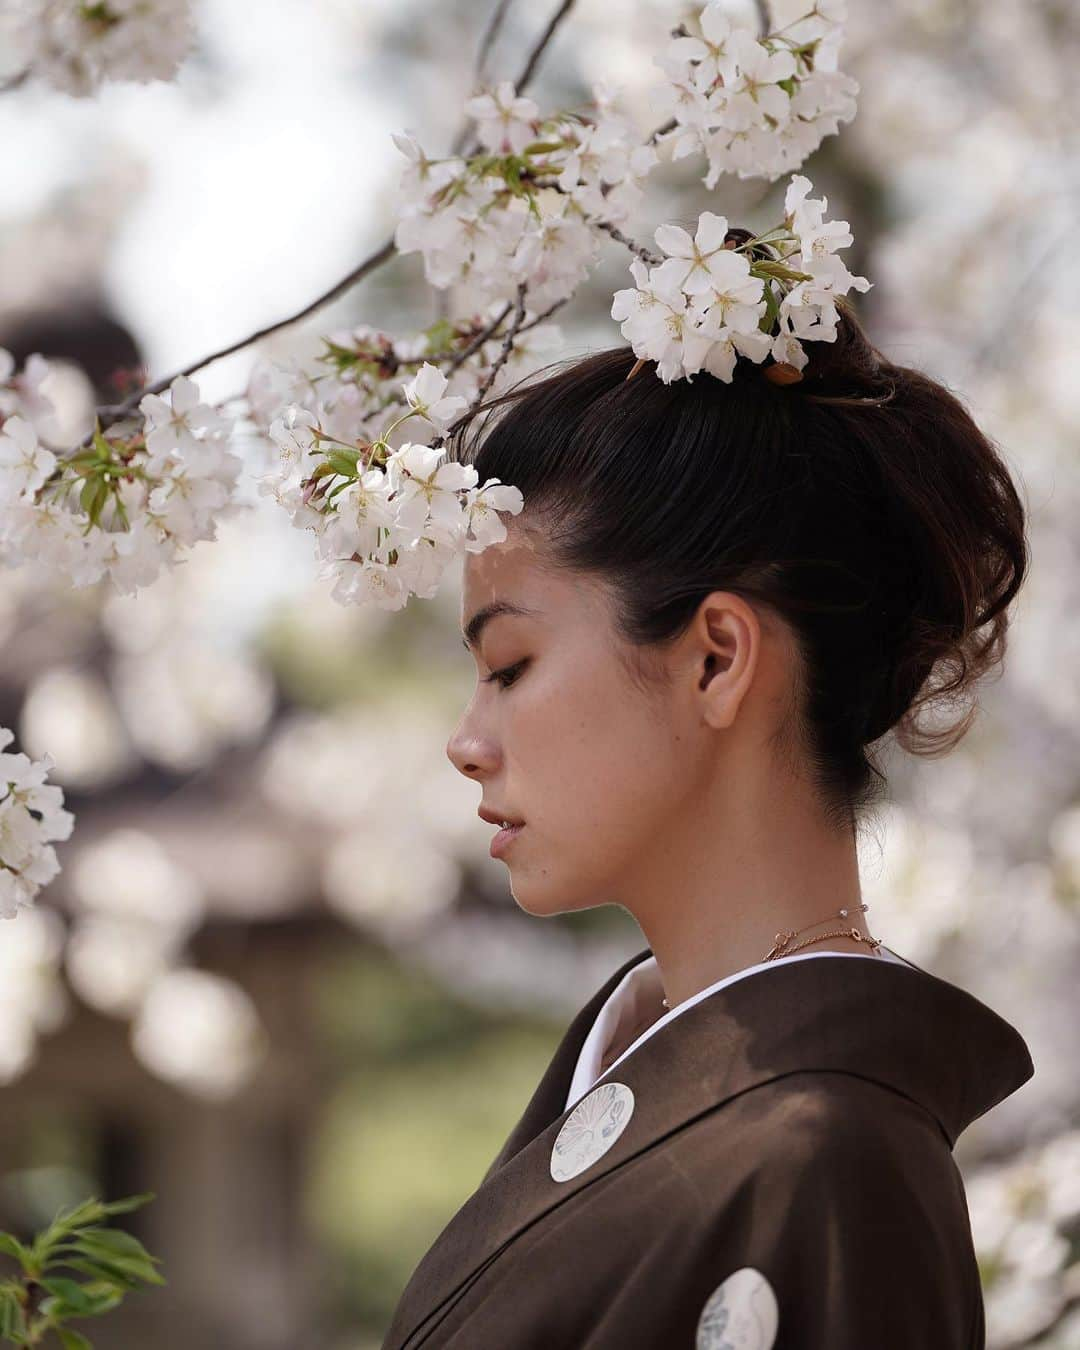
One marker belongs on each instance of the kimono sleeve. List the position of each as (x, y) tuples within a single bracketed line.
[(849, 1232)]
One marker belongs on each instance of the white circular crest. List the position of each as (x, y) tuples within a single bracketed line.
[(590, 1129), (739, 1314)]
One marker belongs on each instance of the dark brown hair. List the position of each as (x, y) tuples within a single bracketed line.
[(862, 505)]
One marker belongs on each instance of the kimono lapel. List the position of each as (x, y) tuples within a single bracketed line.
[(895, 1024), (549, 1099)]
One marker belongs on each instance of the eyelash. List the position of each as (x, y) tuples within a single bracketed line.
[(500, 676)]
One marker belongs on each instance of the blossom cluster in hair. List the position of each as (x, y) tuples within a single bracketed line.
[(714, 298)]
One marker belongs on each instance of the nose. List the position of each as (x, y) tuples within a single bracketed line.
[(470, 752)]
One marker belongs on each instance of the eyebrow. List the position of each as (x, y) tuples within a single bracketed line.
[(476, 625)]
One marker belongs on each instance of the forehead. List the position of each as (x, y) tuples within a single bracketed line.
[(509, 570), (518, 571)]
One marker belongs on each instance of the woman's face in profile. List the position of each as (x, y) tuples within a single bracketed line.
[(558, 735)]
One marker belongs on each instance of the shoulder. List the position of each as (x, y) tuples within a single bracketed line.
[(819, 1115), (840, 1199), (842, 1145)]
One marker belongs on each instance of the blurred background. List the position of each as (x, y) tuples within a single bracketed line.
[(279, 981)]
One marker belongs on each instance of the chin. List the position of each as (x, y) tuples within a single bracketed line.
[(544, 897)]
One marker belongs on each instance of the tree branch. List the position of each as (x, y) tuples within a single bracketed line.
[(508, 345), (491, 32), (651, 259), (114, 413), (538, 51), (478, 341), (529, 69)]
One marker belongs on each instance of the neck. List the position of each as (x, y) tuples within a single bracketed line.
[(724, 895)]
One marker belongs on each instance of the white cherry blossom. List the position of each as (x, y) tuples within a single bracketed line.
[(481, 508), (754, 107), (24, 464), (505, 123), (691, 262), (755, 93), (426, 489), (711, 53), (425, 393), (173, 423), (76, 47), (704, 305), (27, 859)]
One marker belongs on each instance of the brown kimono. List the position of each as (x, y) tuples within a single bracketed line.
[(773, 1168)]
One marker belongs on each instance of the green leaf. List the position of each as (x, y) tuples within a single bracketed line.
[(86, 1211), (11, 1313), (11, 1246), (772, 309), (83, 458), (343, 462), (118, 1251), (69, 1292), (71, 1299), (129, 1203), (440, 337), (92, 498), (71, 1339), (114, 1240), (100, 1269), (102, 446)]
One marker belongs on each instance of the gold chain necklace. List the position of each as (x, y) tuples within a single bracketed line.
[(782, 944)]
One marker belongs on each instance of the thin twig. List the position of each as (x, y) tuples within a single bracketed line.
[(646, 256), (497, 365), (538, 51), (491, 32), (546, 314), (111, 414), (478, 341), (462, 146)]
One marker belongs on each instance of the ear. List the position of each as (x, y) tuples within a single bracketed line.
[(725, 642)]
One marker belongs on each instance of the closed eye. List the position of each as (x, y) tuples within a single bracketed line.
[(507, 675)]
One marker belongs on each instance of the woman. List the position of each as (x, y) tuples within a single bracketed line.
[(718, 600)]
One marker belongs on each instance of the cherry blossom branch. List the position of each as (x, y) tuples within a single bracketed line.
[(114, 413), (646, 256), (109, 415), (529, 69), (491, 32), (478, 341), (504, 355), (534, 56), (492, 328)]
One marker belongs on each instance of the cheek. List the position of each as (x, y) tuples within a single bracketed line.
[(599, 755)]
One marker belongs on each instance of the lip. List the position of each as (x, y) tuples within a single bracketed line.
[(494, 817), (504, 839)]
